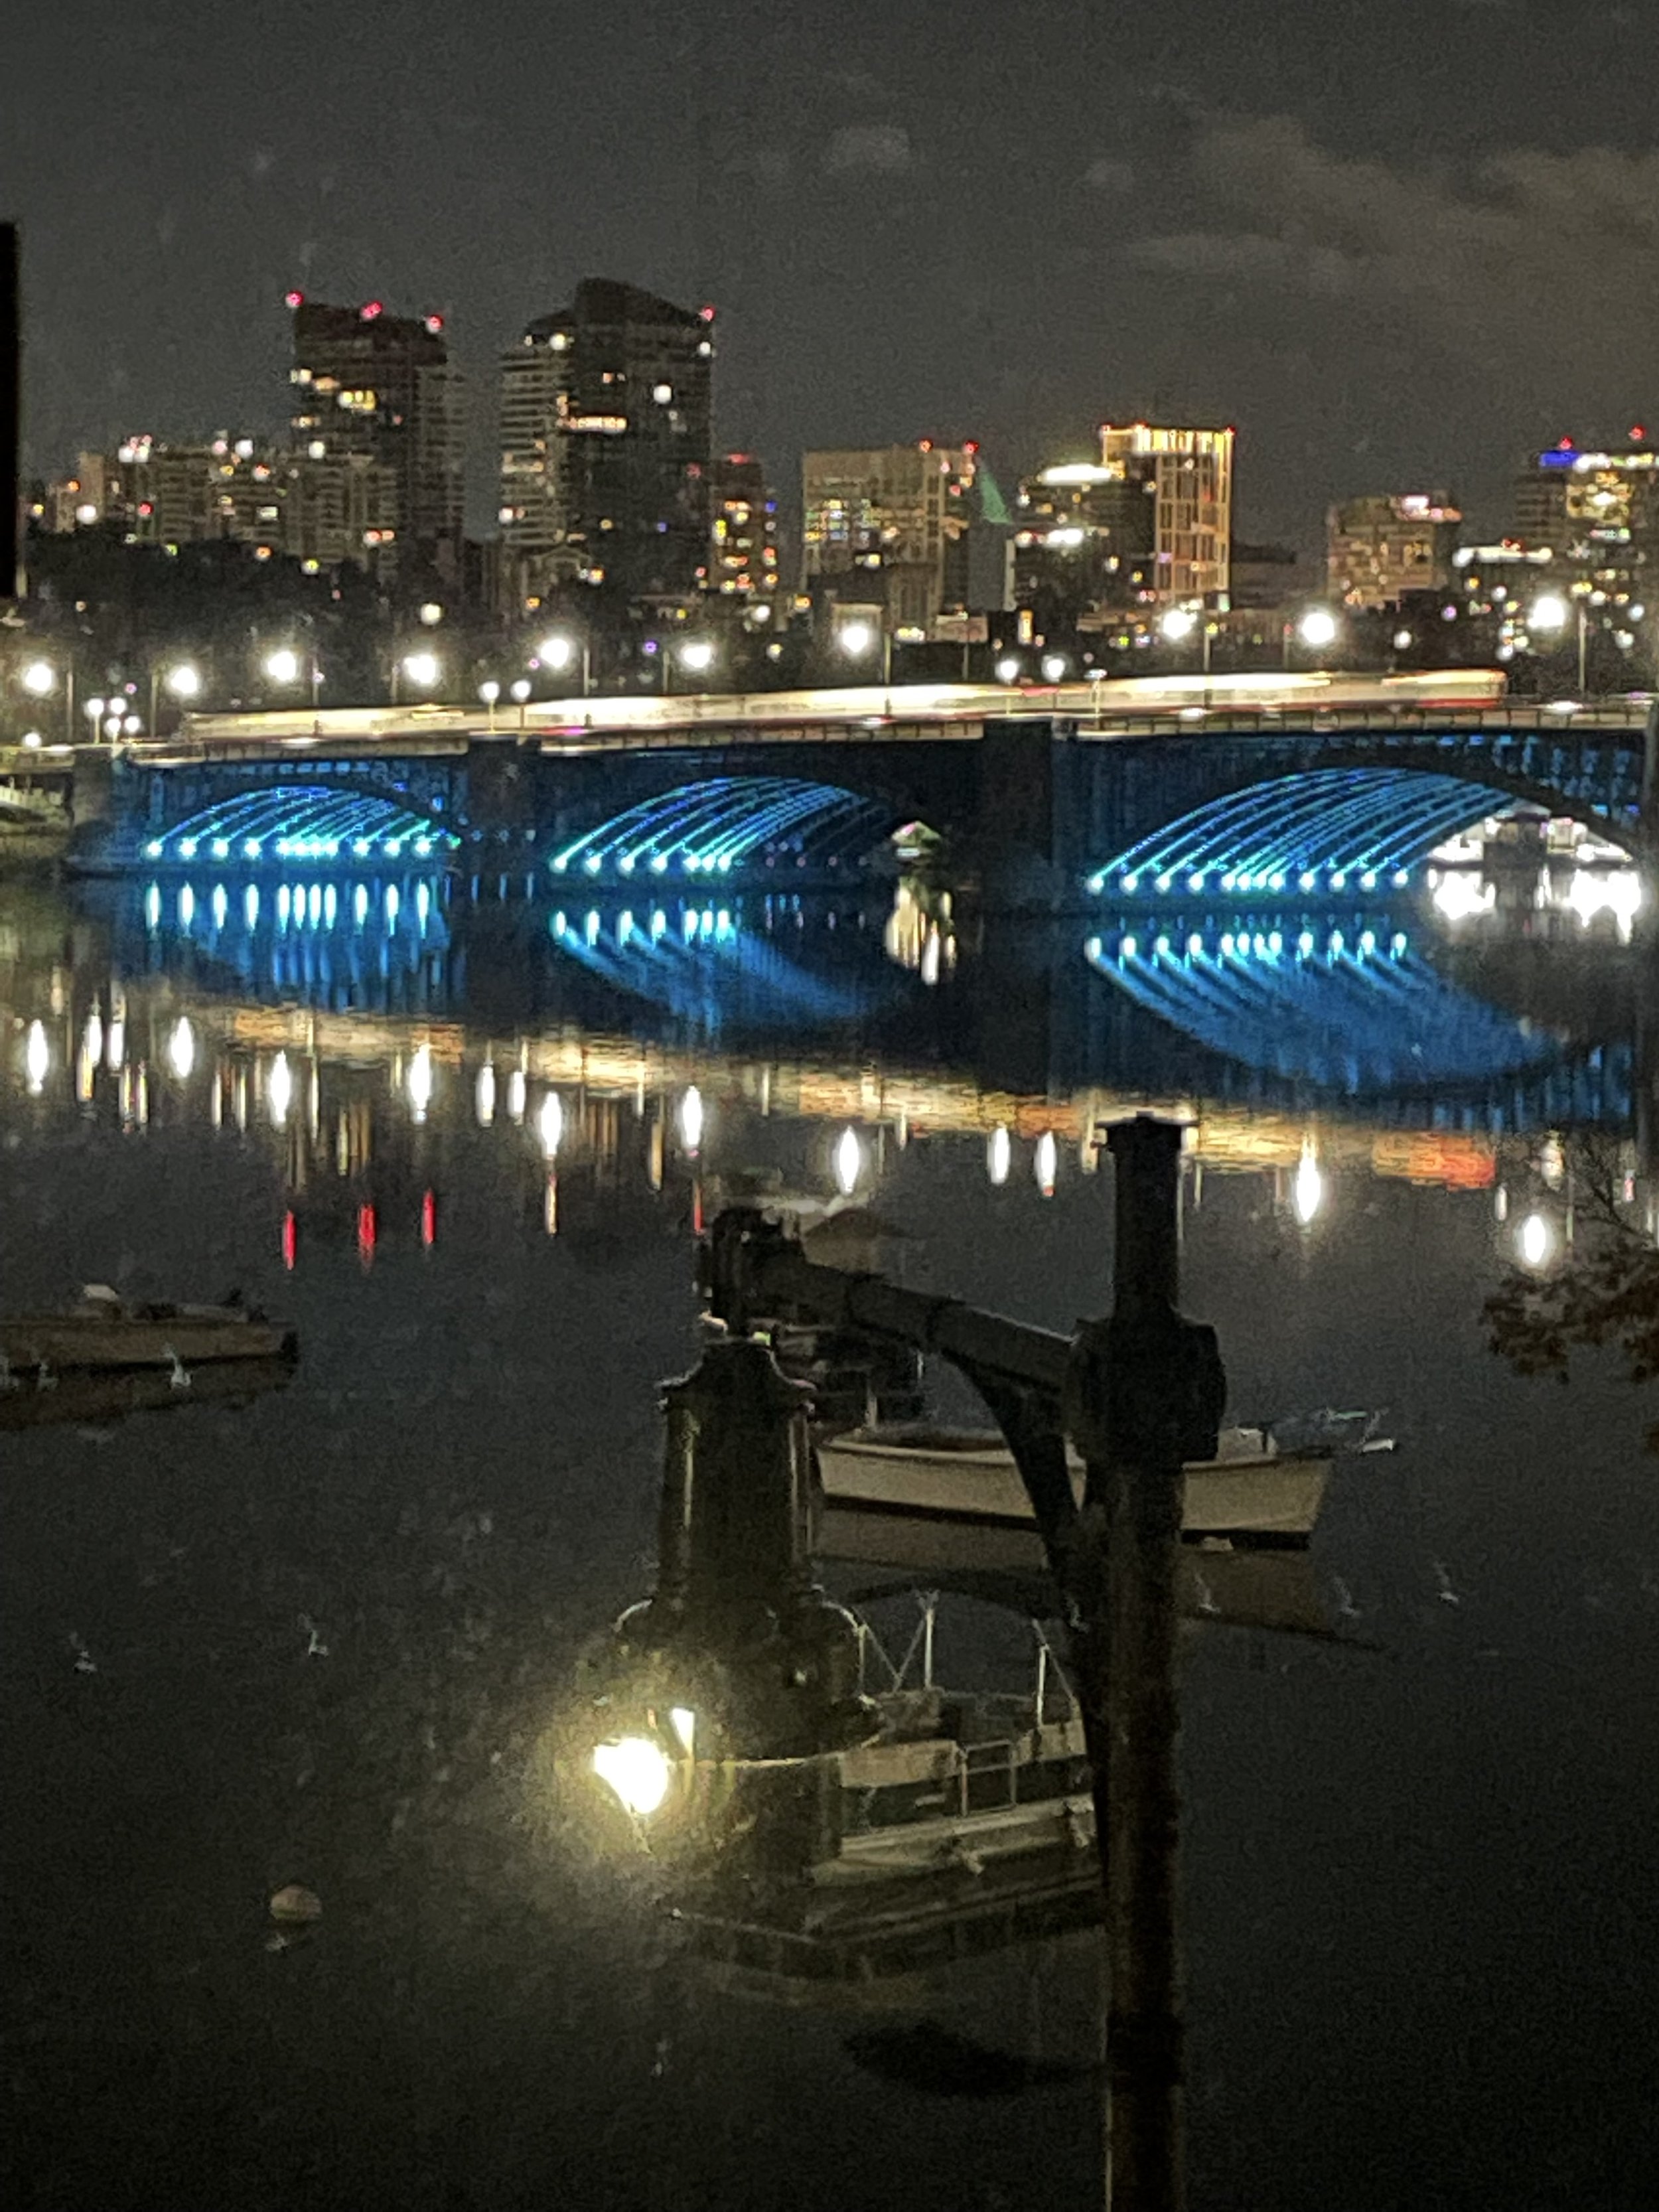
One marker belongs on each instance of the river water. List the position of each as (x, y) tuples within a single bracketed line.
[(318, 1637)]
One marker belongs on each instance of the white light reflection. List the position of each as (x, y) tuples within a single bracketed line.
[(1460, 896), (999, 1152), (37, 1058), (484, 1095), (849, 1162), (515, 1095), (1535, 1241), (691, 1120), (419, 1081), (181, 1048), (549, 1124), (279, 1091), (1045, 1162), (1307, 1186)]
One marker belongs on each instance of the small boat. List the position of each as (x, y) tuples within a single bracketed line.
[(104, 1333), (1251, 1491), (96, 1398)]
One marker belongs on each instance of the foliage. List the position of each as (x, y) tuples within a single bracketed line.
[(1605, 1293)]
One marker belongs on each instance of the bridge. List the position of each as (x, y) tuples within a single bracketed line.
[(1048, 796)]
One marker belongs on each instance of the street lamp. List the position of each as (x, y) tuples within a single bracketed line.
[(489, 691), (855, 639), (420, 668), (285, 665), (560, 652), (1551, 613), (1176, 624), (519, 692), (696, 655), (1008, 669), (40, 680), (1318, 629), (1055, 665), (182, 681)]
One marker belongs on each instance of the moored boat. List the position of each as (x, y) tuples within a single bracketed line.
[(1251, 1491), (105, 1333)]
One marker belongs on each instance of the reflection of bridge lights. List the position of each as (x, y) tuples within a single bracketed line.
[(419, 1081), (849, 1162), (153, 906), (1534, 1241), (37, 1058), (1045, 1162), (549, 1124), (279, 1090), (1307, 1186), (1460, 896), (515, 1095), (999, 1152), (483, 1095), (691, 1120), (181, 1048)]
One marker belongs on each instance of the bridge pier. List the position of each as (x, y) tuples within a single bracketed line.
[(1030, 818)]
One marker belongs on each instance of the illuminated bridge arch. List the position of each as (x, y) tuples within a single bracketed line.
[(1336, 829), (1357, 1013), (289, 822), (727, 822)]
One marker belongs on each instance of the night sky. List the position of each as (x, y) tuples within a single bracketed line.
[(1394, 243)]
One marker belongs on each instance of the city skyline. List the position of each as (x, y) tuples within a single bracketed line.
[(907, 227)]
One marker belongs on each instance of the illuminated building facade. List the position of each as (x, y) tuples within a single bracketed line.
[(1383, 546), (743, 527), (376, 387), (1593, 517), (277, 499), (1083, 545), (606, 430), (1189, 474), (890, 524)]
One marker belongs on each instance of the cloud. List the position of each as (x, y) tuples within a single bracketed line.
[(1107, 175), (1541, 269), (874, 149)]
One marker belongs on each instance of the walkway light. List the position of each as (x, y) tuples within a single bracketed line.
[(1053, 667), (1548, 613), (556, 651), (182, 681), (1008, 669), (697, 654), (1177, 622), (40, 679), (1318, 627), (421, 668), (283, 666), (1534, 1241), (855, 638), (637, 1770)]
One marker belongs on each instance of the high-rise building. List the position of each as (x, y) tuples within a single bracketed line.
[(1084, 542), (1189, 475), (277, 499), (381, 388), (606, 430), (742, 529), (1382, 546), (1595, 515), (890, 526)]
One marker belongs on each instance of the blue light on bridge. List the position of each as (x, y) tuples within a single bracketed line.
[(302, 822), (731, 822), (1319, 828)]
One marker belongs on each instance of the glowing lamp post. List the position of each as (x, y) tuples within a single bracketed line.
[(1551, 614), (286, 666), (419, 670), (181, 682), (695, 656), (560, 652), (1176, 624), (857, 639), (40, 680), (489, 691)]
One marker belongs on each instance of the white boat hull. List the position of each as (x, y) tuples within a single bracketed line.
[(1256, 1495)]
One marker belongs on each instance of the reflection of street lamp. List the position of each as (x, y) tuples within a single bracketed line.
[(1534, 1241), (1551, 613)]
